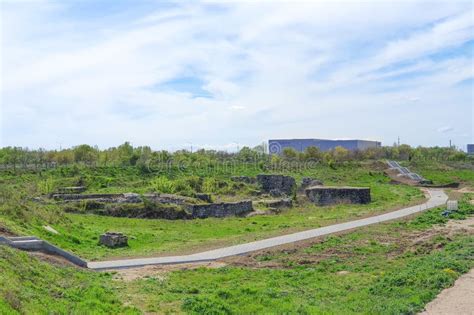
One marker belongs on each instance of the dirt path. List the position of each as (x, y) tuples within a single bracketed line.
[(459, 299)]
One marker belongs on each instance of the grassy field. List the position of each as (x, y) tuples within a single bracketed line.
[(445, 173), (388, 268), (31, 286), (393, 268), (79, 233)]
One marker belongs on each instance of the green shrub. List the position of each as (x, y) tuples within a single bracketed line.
[(163, 185), (46, 186), (209, 185)]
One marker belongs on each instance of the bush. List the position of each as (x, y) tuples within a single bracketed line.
[(163, 185), (209, 185), (46, 186)]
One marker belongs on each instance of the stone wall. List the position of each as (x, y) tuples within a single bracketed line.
[(333, 195), (284, 184), (244, 179), (126, 198), (277, 203), (220, 210)]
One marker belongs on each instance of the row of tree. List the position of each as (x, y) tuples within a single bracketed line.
[(127, 155)]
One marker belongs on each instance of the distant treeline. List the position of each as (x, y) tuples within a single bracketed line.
[(144, 156)]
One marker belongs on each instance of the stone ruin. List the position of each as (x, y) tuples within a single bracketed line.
[(309, 182), (277, 185), (71, 190), (113, 240), (277, 203), (220, 210), (323, 196), (244, 179), (155, 206)]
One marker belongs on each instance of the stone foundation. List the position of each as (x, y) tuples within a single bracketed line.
[(277, 203), (333, 195), (277, 183), (244, 179), (220, 210)]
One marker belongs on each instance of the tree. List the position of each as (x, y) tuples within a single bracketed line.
[(85, 154), (313, 153), (289, 154), (340, 154)]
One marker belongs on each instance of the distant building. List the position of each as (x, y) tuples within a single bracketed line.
[(470, 149), (276, 146)]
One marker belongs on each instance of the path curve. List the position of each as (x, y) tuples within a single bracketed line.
[(437, 198)]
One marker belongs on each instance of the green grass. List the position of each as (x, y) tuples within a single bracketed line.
[(445, 173), (79, 233), (30, 286), (385, 272)]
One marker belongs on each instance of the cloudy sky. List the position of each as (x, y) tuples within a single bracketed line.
[(224, 74)]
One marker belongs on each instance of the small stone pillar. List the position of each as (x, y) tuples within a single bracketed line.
[(113, 239)]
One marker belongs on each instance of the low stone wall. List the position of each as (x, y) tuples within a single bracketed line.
[(85, 196), (159, 206), (220, 210), (333, 195), (281, 183), (244, 179), (126, 198), (277, 203)]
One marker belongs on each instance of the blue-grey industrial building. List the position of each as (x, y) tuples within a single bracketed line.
[(470, 149), (277, 146)]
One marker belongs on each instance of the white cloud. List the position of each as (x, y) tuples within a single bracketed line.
[(445, 129), (323, 69)]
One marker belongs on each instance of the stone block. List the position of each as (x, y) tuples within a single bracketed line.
[(333, 195), (285, 184), (219, 210), (113, 239), (203, 197)]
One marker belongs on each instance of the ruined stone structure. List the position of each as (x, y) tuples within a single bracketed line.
[(244, 179), (126, 198), (71, 190), (220, 210), (309, 182), (153, 206), (275, 183), (277, 203), (203, 197), (333, 195), (113, 239)]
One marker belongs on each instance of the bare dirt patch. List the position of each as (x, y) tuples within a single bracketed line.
[(466, 190), (52, 259), (160, 271), (5, 232)]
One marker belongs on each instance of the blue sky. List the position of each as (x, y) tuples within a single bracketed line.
[(226, 74)]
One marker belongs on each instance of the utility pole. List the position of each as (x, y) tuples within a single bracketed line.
[(398, 142)]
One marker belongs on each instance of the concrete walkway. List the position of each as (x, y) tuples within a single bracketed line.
[(437, 198)]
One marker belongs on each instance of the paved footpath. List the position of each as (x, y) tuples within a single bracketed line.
[(437, 198)]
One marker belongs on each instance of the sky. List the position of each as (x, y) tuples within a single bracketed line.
[(221, 75)]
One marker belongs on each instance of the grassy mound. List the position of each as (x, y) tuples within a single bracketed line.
[(30, 286)]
